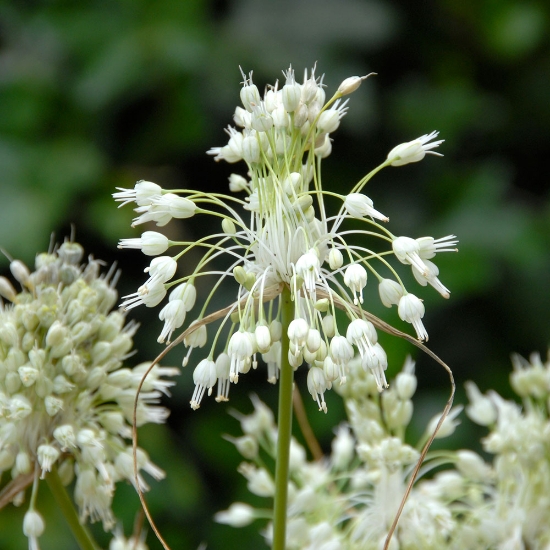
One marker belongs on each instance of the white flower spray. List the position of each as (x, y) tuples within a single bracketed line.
[(292, 262), (66, 400), (349, 498), (289, 241)]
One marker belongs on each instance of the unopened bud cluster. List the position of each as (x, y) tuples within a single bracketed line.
[(350, 498), (281, 236), (66, 400)]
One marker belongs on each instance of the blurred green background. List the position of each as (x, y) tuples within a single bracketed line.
[(99, 94)]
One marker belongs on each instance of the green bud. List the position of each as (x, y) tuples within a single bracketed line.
[(250, 280), (240, 275), (322, 305), (228, 226), (235, 317)]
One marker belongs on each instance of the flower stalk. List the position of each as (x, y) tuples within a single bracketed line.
[(286, 382), (80, 532)]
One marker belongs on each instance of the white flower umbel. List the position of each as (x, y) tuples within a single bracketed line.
[(290, 259), (349, 499), (66, 402), (287, 240)]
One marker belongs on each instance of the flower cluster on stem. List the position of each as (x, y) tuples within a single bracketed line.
[(66, 400), (281, 236), (349, 498)]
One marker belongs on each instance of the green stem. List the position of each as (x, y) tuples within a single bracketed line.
[(81, 534), (286, 382)]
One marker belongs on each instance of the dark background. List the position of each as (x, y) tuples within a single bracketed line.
[(99, 94)]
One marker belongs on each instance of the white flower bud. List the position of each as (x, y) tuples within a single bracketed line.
[(313, 342), (351, 84), (405, 385), (449, 424), (23, 463), (8, 334), (237, 515), (6, 289), (359, 206), (237, 183), (411, 309), (472, 466), (481, 409), (390, 292), (415, 150), (47, 456), (20, 407), (251, 149), (228, 226), (260, 482), (53, 405), (335, 259), (281, 119), (317, 385), (33, 525), (275, 330), (20, 271), (325, 148), (291, 93), (340, 350), (301, 114), (355, 277), (330, 369), (28, 375), (7, 460), (343, 448), (329, 121), (263, 338), (65, 436), (250, 96), (246, 445), (329, 326), (297, 332), (242, 117)]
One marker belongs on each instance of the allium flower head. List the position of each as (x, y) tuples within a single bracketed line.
[(279, 236), (66, 400)]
